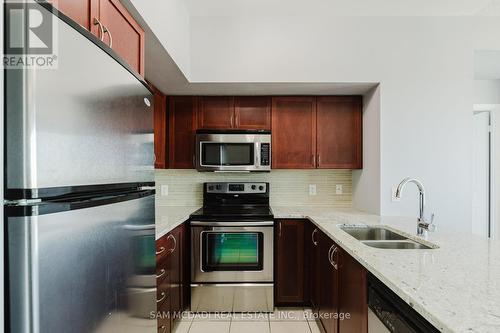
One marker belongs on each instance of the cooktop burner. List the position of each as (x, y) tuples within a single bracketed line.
[(235, 201)]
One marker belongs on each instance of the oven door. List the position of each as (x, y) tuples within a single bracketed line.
[(232, 252)]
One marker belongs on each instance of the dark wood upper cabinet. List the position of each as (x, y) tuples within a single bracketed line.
[(293, 132), (111, 22), (124, 34), (182, 129), (216, 112), (353, 295), (78, 10), (308, 132), (289, 262), (253, 112), (339, 135), (160, 129)]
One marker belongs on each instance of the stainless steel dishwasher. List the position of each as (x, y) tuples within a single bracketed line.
[(387, 312)]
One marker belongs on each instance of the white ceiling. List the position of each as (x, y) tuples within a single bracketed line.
[(343, 7)]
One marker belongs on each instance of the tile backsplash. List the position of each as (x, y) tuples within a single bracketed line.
[(288, 187)]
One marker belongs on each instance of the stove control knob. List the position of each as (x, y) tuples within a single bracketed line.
[(211, 188), (254, 187), (261, 188), (218, 187)]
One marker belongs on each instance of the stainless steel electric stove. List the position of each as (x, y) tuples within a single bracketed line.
[(232, 249)]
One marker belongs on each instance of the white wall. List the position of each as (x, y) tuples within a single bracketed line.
[(366, 182), (487, 91), (425, 70)]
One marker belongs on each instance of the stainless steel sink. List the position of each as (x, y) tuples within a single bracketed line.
[(399, 245), (383, 238), (372, 233)]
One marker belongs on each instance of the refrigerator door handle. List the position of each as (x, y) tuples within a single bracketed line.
[(147, 188), (140, 227)]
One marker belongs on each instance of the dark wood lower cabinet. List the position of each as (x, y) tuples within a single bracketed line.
[(329, 285), (172, 287), (353, 295), (289, 263), (332, 283)]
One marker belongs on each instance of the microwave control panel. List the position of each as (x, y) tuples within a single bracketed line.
[(265, 149)]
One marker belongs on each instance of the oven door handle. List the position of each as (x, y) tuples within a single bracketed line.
[(233, 224)]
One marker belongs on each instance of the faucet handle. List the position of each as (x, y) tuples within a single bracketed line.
[(431, 227)]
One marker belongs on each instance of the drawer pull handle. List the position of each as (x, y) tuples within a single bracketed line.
[(162, 249), (163, 296), (162, 272)]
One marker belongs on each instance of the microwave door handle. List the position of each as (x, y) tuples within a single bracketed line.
[(257, 154)]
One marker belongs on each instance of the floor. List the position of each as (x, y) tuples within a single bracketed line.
[(283, 320)]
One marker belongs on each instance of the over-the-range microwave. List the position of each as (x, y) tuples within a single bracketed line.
[(233, 150)]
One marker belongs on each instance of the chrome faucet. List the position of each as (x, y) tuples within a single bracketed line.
[(422, 226)]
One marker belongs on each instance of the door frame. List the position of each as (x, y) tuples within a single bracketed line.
[(494, 112)]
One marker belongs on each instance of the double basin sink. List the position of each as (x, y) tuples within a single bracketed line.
[(383, 238)]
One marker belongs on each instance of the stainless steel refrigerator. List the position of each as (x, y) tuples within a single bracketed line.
[(79, 189)]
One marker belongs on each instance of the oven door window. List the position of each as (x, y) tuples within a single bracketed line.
[(220, 154), (232, 251)]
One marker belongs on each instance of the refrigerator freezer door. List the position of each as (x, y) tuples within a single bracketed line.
[(88, 122), (75, 271)]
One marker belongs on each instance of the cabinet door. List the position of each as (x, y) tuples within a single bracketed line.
[(160, 129), (339, 137), (216, 112), (293, 132), (77, 10), (253, 112), (314, 267), (125, 33), (290, 262), (182, 128), (329, 299), (353, 295)]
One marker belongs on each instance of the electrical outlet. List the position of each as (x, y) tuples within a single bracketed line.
[(164, 190), (312, 189), (393, 195), (339, 189)]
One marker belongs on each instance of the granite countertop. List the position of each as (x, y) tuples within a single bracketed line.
[(169, 217), (456, 287)]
